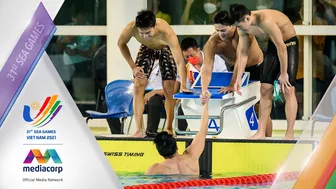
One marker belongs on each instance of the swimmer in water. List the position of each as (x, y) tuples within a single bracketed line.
[(174, 163)]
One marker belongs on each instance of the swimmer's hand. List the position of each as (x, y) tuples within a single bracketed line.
[(148, 96), (205, 97), (139, 73), (235, 87), (284, 82)]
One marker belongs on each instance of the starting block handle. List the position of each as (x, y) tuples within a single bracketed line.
[(195, 132), (195, 117), (221, 117), (238, 104)]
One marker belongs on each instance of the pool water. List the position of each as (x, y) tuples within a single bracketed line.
[(143, 179), (227, 187)]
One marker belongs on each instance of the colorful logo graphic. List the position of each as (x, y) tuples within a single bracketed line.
[(49, 153), (47, 112)]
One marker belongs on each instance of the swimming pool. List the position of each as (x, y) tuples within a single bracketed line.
[(134, 180)]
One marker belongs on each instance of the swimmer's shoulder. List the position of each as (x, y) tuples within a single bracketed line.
[(213, 40), (154, 169), (185, 155), (264, 15), (163, 26), (164, 29), (161, 21), (156, 165), (131, 27), (186, 159)]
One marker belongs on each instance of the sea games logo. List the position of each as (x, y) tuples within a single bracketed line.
[(39, 116), (43, 159), (50, 108)]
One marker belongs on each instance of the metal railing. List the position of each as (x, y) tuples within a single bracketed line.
[(220, 117)]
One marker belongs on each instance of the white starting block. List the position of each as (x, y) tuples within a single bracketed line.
[(231, 116)]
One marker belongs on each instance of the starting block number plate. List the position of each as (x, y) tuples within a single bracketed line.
[(213, 125), (251, 118)]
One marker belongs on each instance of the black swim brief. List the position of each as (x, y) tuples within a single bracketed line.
[(255, 72), (146, 58), (271, 65)]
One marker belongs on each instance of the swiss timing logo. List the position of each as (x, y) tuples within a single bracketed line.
[(46, 113)]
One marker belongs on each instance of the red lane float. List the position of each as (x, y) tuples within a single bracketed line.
[(243, 180)]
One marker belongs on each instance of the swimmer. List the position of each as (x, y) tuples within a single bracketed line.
[(158, 42), (281, 60), (225, 41), (187, 163)]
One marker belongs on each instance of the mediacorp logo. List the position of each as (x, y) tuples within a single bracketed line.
[(42, 159), (50, 108)]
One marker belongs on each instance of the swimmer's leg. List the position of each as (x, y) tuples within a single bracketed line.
[(255, 75), (269, 72), (168, 73), (269, 125), (291, 110), (265, 108), (145, 59), (291, 107), (168, 88), (138, 105)]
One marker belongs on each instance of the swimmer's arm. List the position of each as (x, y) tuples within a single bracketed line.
[(158, 92), (174, 45), (241, 60), (206, 72), (197, 146), (124, 38), (276, 36)]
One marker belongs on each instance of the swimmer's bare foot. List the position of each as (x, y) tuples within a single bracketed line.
[(288, 137), (170, 131), (258, 135), (138, 134)]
